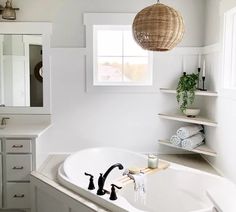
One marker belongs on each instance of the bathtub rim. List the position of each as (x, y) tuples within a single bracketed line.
[(145, 156), (173, 165)]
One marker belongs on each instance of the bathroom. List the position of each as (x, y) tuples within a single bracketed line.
[(80, 114)]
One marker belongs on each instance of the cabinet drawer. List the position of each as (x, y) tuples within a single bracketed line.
[(18, 167), (18, 195), (18, 146)]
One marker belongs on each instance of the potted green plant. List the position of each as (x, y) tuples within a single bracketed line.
[(186, 90)]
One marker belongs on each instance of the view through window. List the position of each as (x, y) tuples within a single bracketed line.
[(118, 60)]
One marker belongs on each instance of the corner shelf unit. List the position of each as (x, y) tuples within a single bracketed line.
[(203, 149), (183, 118), (197, 93)]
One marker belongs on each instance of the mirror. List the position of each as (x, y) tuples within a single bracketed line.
[(21, 70)]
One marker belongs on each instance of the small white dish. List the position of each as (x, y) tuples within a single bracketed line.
[(192, 112)]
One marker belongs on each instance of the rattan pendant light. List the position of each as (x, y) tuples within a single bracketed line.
[(158, 27)]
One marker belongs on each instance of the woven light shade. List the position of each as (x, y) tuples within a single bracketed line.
[(158, 28)]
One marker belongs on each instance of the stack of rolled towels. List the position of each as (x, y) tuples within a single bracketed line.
[(188, 137)]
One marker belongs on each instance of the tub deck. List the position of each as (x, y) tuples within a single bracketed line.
[(47, 174)]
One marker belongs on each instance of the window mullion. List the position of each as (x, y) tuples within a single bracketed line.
[(123, 71)]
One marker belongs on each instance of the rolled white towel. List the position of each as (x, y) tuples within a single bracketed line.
[(176, 140), (193, 141), (188, 131)]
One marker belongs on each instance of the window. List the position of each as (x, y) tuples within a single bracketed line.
[(114, 62), (229, 62), (118, 60)]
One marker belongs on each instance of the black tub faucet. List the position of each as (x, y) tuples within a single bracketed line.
[(102, 178), (113, 195), (91, 184)]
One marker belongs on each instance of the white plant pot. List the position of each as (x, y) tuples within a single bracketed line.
[(192, 112)]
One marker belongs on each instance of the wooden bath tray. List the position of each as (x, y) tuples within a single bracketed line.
[(122, 181)]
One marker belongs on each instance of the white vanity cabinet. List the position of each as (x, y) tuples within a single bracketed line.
[(18, 160)]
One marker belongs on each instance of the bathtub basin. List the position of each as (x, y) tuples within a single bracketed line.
[(178, 188)]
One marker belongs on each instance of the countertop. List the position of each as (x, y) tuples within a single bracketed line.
[(20, 131), (48, 173)]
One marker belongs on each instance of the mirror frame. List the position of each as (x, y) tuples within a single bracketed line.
[(33, 28)]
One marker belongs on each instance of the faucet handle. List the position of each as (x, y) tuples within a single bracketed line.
[(91, 184), (113, 195), (4, 120)]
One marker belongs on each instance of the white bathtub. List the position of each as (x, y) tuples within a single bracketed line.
[(178, 188)]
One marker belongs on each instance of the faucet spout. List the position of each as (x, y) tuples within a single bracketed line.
[(102, 178), (120, 166)]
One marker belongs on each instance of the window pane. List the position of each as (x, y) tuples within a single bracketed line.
[(109, 43), (131, 48), (136, 69), (109, 69)]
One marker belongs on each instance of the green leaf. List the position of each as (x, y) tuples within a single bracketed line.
[(186, 88)]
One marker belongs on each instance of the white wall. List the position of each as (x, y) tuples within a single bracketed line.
[(66, 16), (222, 139), (81, 119), (125, 120), (212, 22)]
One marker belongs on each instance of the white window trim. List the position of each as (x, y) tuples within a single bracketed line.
[(227, 73), (91, 19)]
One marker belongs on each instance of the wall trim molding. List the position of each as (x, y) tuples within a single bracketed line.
[(176, 51), (79, 51), (211, 48)]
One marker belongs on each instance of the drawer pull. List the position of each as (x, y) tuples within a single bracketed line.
[(18, 167), (19, 196), (17, 146)]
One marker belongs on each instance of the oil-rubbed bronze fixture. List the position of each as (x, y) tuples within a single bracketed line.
[(8, 12)]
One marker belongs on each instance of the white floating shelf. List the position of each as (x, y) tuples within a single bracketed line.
[(203, 149), (183, 118), (197, 93)]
